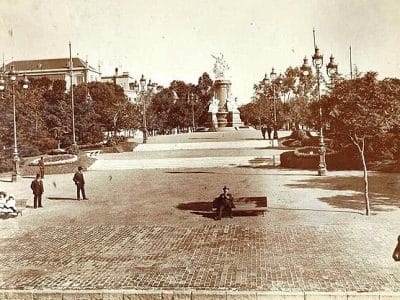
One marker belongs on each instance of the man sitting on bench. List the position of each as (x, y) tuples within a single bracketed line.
[(223, 202)]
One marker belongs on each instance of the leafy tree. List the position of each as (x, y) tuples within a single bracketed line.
[(204, 93), (362, 109)]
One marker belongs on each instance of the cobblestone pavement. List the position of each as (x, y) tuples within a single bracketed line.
[(317, 258)]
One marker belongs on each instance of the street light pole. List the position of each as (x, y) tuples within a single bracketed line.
[(25, 84), (15, 172), (273, 77), (191, 100), (74, 145), (318, 61), (143, 98)]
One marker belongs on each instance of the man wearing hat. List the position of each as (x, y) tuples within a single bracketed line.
[(224, 202), (37, 189), (80, 184)]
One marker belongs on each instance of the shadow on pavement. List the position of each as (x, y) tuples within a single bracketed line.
[(211, 214), (317, 210), (205, 209), (189, 172), (203, 138), (384, 191), (61, 198)]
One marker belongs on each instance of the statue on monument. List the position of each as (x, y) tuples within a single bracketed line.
[(232, 105), (220, 66), (213, 108)]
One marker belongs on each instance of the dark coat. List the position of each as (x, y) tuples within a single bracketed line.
[(222, 200), (78, 179), (37, 187)]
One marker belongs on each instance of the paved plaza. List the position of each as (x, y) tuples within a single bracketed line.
[(153, 228)]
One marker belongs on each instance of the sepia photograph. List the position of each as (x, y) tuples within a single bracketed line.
[(193, 150)]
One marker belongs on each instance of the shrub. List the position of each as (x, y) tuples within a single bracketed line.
[(302, 158), (299, 134)]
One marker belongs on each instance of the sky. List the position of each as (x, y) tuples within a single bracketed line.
[(174, 39)]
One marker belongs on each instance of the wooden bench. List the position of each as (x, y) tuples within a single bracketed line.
[(20, 205), (250, 204)]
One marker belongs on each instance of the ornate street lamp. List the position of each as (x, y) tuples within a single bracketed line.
[(191, 99), (305, 72), (143, 98), (318, 61), (332, 68), (272, 75), (12, 75)]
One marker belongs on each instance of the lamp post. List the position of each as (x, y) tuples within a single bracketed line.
[(272, 75), (142, 97), (191, 99), (12, 75), (332, 69), (74, 145), (318, 61), (305, 72)]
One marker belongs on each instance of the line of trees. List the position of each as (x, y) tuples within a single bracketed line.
[(44, 112)]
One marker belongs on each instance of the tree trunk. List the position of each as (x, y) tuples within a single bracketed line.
[(361, 149)]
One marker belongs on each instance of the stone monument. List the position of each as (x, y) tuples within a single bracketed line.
[(223, 110)]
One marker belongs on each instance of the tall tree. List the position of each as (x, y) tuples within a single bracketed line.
[(362, 109)]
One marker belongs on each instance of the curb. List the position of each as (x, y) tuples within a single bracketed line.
[(189, 295)]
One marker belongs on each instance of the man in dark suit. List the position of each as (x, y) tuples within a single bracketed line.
[(224, 202), (80, 184), (37, 188), (263, 130)]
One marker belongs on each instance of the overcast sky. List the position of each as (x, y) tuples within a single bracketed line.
[(174, 39)]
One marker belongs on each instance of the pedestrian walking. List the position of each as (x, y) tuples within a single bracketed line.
[(269, 131), (80, 184), (263, 130), (41, 167), (37, 188)]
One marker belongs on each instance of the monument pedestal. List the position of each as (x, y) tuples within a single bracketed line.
[(234, 119), (212, 121), (222, 117)]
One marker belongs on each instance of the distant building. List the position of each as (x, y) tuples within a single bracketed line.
[(123, 80), (56, 69)]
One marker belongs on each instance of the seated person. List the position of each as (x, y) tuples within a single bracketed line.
[(7, 204), (3, 199), (223, 202)]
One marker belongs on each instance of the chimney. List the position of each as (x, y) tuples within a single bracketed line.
[(116, 71)]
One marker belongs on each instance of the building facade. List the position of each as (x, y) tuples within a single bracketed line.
[(56, 69), (123, 80)]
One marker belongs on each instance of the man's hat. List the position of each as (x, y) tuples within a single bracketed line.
[(225, 188), (80, 168)]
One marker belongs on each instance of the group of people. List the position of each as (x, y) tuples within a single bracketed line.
[(38, 189), (266, 129), (7, 203)]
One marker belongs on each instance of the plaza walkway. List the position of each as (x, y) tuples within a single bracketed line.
[(149, 233)]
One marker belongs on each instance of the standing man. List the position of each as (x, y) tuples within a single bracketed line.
[(37, 188), (80, 184), (269, 130), (263, 130), (41, 167)]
